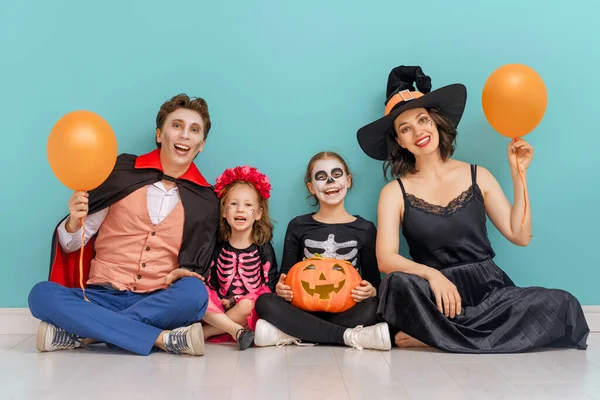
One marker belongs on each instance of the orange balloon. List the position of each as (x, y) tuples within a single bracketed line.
[(82, 150), (514, 100)]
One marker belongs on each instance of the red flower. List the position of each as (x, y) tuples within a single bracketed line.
[(247, 174)]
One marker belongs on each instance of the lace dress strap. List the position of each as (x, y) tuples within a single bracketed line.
[(474, 173), (403, 192)]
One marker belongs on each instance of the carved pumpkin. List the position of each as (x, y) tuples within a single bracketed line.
[(323, 284)]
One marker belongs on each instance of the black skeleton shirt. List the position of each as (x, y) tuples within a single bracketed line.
[(351, 241)]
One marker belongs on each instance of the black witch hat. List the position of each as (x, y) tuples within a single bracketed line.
[(401, 96)]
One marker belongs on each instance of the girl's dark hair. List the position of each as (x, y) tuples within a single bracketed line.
[(323, 156), (402, 162)]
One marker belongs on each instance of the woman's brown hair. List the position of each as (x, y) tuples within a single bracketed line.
[(402, 162)]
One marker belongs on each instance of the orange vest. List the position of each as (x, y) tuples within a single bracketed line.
[(131, 252)]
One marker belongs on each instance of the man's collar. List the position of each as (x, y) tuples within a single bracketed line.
[(152, 161)]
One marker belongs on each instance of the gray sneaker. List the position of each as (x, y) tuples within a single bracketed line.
[(186, 340), (51, 338)]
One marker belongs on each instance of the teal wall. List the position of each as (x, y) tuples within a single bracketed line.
[(287, 79)]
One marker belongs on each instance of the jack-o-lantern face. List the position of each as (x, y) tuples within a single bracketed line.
[(331, 280), (323, 284)]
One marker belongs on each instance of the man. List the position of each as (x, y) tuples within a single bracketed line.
[(148, 240)]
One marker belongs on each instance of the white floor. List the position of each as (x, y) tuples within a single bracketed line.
[(294, 372)]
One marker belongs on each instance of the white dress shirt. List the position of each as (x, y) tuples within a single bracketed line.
[(160, 204)]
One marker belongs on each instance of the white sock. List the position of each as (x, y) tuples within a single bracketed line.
[(348, 337)]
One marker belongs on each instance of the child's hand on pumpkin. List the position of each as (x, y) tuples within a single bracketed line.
[(363, 291), (284, 290)]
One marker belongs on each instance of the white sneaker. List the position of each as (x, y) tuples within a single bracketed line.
[(185, 340), (376, 337), (266, 334), (51, 338)]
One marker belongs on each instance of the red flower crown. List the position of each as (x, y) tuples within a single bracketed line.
[(243, 173)]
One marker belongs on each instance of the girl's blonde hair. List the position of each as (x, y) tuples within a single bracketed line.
[(262, 230)]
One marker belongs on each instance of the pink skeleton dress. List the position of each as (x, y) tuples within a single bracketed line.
[(241, 274)]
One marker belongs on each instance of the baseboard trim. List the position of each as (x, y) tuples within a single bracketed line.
[(592, 315), (19, 321)]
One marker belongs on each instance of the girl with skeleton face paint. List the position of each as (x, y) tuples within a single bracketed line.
[(333, 233), (329, 183)]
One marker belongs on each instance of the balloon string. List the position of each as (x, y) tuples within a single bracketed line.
[(524, 192), (81, 258)]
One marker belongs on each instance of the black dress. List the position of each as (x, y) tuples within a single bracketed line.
[(497, 316)]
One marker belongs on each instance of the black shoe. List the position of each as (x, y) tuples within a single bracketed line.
[(245, 338)]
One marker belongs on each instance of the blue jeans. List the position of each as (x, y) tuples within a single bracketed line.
[(131, 321)]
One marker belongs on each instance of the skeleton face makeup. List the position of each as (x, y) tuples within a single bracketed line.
[(329, 181), (241, 208)]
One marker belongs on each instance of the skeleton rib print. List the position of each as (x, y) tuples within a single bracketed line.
[(243, 272), (330, 249)]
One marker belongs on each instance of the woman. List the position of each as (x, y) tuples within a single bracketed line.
[(452, 296)]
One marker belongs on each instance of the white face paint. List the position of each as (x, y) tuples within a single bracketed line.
[(329, 181)]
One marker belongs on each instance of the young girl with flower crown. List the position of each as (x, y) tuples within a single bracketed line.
[(244, 264)]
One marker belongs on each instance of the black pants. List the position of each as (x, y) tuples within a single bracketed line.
[(317, 327)]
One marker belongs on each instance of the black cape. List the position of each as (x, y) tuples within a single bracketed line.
[(201, 211)]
